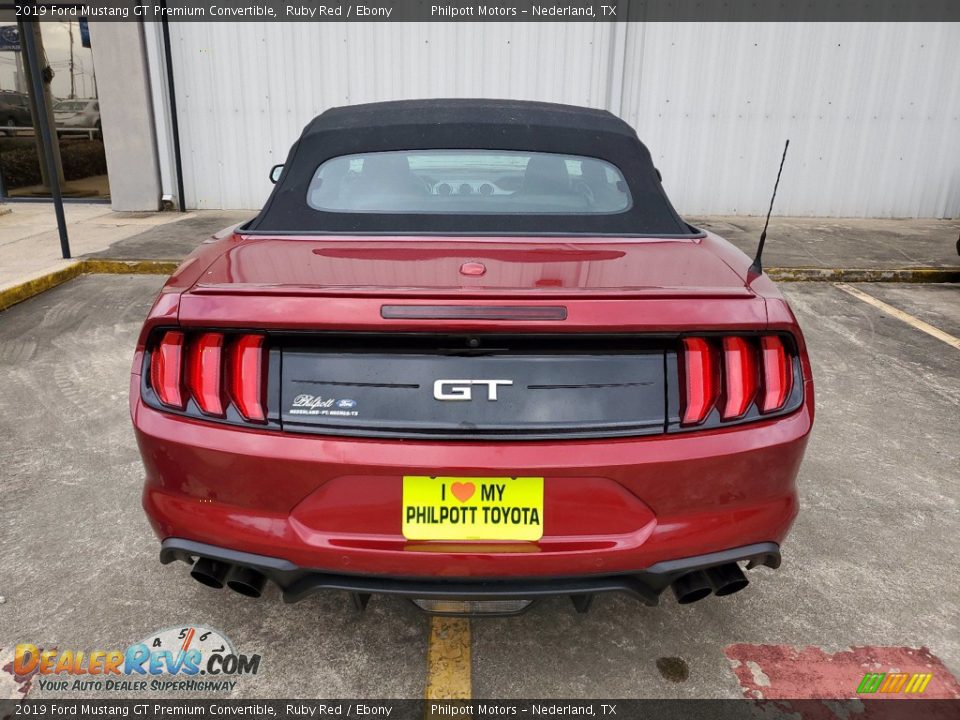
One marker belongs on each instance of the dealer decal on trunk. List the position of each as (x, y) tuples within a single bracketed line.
[(319, 405), (459, 508)]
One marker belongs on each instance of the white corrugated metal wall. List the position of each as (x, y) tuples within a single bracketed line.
[(872, 109)]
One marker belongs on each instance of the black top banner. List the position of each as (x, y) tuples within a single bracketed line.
[(493, 11)]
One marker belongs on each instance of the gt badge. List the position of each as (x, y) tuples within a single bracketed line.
[(463, 389)]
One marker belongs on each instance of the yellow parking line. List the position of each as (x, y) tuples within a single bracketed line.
[(448, 660), (901, 315)]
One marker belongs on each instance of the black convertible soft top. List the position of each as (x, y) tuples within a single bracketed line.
[(456, 124)]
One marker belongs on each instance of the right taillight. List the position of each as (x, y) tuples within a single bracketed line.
[(730, 375), (213, 369), (739, 376), (777, 374)]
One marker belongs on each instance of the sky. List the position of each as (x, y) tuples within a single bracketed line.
[(56, 42)]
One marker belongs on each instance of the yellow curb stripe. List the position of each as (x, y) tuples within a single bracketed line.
[(23, 291), (903, 275), (129, 267), (448, 660), (901, 315)]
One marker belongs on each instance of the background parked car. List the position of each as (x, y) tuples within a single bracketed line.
[(79, 114), (14, 110)]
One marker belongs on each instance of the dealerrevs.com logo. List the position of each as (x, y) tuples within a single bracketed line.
[(184, 659)]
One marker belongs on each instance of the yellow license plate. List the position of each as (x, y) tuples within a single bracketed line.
[(462, 508)]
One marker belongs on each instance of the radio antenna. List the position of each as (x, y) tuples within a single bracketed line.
[(757, 266)]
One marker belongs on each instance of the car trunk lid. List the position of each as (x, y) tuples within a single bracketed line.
[(478, 267)]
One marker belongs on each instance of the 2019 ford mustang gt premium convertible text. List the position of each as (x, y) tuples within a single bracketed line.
[(468, 353)]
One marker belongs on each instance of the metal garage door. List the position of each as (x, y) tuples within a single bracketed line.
[(873, 110)]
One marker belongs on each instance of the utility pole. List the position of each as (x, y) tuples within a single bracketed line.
[(20, 84), (73, 86), (41, 103), (40, 75)]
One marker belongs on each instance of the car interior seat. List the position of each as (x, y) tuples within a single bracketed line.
[(545, 175), (389, 174)]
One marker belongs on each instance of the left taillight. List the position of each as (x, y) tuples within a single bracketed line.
[(214, 369), (205, 372), (247, 377), (166, 369)]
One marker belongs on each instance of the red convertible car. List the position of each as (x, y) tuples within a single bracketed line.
[(468, 353)]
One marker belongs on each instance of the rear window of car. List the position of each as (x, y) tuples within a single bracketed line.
[(502, 182)]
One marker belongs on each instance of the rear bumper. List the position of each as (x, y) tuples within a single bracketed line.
[(612, 507), (298, 583)]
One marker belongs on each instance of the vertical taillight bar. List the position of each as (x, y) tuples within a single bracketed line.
[(166, 369), (739, 376), (753, 372), (777, 374), (699, 380), (205, 372), (247, 370)]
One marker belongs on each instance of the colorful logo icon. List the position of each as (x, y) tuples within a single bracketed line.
[(894, 682)]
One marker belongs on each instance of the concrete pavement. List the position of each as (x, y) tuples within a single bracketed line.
[(794, 242), (871, 559), (30, 244)]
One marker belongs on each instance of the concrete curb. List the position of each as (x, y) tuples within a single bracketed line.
[(106, 266), (24, 291), (899, 275)]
